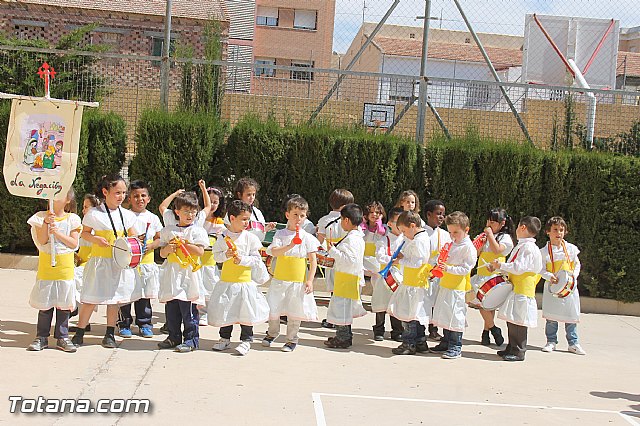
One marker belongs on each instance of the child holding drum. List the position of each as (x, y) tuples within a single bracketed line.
[(291, 289), (560, 298), (520, 309), (54, 290), (450, 308), (495, 243), (104, 282), (180, 281), (147, 272)]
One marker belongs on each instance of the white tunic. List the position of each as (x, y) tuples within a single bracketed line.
[(239, 302), (60, 294), (329, 227), (450, 310), (565, 309), (211, 273), (478, 280), (103, 282), (348, 255), (410, 303), (288, 297), (385, 248), (79, 270), (169, 218), (177, 282), (439, 237), (148, 274), (518, 308)]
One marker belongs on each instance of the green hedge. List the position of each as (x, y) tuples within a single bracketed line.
[(102, 146), (176, 149)]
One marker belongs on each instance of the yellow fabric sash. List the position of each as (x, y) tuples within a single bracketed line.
[(290, 268), (346, 285), (84, 253), (148, 256), (559, 265), (416, 277), (525, 284), (369, 249), (233, 273), (456, 282), (62, 271), (106, 252), (207, 257), (488, 257), (437, 250)]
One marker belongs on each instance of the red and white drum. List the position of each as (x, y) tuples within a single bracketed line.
[(323, 258), (494, 292), (393, 279), (565, 285), (127, 252)]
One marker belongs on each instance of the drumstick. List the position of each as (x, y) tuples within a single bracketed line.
[(119, 248)]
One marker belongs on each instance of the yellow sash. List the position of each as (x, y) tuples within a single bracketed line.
[(416, 277), (148, 256), (525, 284), (290, 268), (207, 257), (62, 271), (559, 265), (456, 282), (106, 252), (369, 249), (346, 285), (233, 273), (488, 257), (84, 253)]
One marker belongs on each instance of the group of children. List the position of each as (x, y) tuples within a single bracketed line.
[(214, 264)]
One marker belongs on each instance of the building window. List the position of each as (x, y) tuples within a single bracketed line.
[(262, 71), (305, 19), (302, 75), (401, 90), (267, 16), (29, 32), (156, 48)]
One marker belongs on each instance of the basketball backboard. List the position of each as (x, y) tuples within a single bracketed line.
[(577, 38), (378, 115)]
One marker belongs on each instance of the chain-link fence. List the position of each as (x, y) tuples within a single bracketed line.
[(512, 70)]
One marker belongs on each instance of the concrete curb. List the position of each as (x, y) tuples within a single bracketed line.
[(589, 305)]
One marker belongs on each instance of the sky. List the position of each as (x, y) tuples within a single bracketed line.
[(494, 16)]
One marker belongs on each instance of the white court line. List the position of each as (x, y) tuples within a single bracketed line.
[(321, 420)]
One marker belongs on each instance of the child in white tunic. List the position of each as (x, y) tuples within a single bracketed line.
[(236, 298), (559, 255), (55, 287), (180, 285), (104, 282), (329, 230), (385, 248), (450, 310), (520, 309), (411, 303), (291, 289), (345, 304), (168, 216), (147, 273), (246, 190)]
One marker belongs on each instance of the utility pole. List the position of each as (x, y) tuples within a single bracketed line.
[(422, 84), (165, 66)]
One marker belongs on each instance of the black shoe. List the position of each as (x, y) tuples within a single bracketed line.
[(164, 329), (396, 336), (327, 324), (433, 335), (485, 341), (422, 347), (512, 358), (404, 349), (77, 340), (283, 319), (439, 348), (109, 342), (496, 332), (378, 337), (167, 344), (337, 344), (502, 353)]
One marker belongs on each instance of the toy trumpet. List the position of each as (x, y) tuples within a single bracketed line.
[(190, 260), (144, 241), (297, 239), (387, 268), (442, 258), (479, 241), (234, 249)]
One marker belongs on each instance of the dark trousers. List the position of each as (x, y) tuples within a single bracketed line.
[(453, 339), (143, 313), (517, 340), (343, 333), (186, 314), (61, 329), (246, 332), (414, 333), (396, 325)]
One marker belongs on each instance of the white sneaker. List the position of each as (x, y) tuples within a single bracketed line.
[(243, 348), (221, 345), (203, 320), (549, 347), (577, 349)]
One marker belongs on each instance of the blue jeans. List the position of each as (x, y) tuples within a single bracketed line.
[(454, 339), (571, 329), (181, 313), (413, 333)]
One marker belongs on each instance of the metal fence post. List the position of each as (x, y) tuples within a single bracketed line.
[(165, 66), (422, 83)]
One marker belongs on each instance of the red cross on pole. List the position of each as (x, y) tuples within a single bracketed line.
[(47, 73)]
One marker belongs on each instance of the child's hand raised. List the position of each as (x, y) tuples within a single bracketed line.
[(270, 226), (202, 185)]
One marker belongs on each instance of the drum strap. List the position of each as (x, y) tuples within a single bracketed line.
[(388, 246), (113, 226), (566, 256)]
